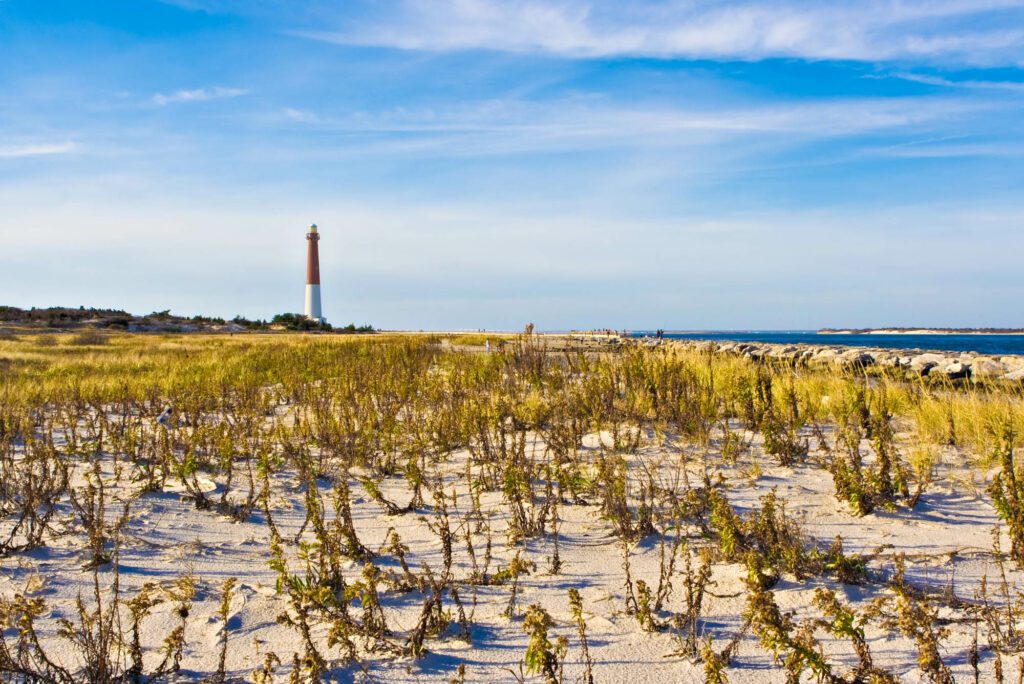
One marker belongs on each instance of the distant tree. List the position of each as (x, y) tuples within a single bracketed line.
[(12, 313), (352, 328), (251, 325), (299, 323), (207, 319)]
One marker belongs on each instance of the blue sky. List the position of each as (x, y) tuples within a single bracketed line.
[(484, 163)]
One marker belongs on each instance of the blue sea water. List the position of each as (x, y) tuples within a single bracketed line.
[(981, 343)]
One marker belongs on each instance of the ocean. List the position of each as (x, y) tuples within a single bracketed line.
[(981, 343)]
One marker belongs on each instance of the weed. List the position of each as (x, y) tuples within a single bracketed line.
[(543, 657), (1007, 490), (576, 608)]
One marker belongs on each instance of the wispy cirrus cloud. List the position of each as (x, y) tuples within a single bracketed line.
[(300, 115), (958, 31), (515, 127), (950, 146), (36, 150), (198, 95), (970, 84)]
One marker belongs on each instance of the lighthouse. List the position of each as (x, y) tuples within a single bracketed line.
[(312, 309)]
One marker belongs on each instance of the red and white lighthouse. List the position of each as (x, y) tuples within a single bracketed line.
[(312, 309)]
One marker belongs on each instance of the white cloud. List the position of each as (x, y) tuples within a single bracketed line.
[(871, 30), (36, 150), (497, 127), (300, 115), (198, 95), (949, 150), (1010, 86)]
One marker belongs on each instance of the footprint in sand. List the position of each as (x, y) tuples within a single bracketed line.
[(599, 624), (596, 595), (261, 589)]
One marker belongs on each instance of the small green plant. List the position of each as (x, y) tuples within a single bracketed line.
[(227, 593), (645, 607), (511, 573), (374, 624), (543, 657), (888, 480), (90, 503), (793, 646), (1007, 490), (726, 524), (847, 568), (913, 615), (922, 459), (264, 674), (30, 490), (576, 608), (181, 592), (843, 622), (733, 444), (779, 420), (714, 664), (695, 583), (782, 442), (861, 487)]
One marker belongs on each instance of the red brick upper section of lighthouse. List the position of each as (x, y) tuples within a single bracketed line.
[(313, 260)]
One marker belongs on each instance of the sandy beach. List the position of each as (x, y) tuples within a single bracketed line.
[(945, 540)]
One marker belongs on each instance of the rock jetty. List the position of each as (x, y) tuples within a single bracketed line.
[(951, 365)]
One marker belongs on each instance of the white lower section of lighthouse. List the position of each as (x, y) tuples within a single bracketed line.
[(313, 303)]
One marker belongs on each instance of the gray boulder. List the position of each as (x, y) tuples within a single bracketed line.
[(924, 363), (1015, 376), (886, 359), (956, 370), (857, 357), (985, 367), (826, 354)]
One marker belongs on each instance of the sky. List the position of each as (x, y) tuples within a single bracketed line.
[(684, 164)]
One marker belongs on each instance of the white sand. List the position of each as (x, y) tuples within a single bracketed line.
[(947, 539)]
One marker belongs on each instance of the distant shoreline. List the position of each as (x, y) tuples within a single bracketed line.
[(922, 331)]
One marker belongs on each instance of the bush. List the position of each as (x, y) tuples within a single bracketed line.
[(299, 323), (88, 339)]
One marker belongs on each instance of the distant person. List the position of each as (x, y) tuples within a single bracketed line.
[(487, 346), (165, 418)]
